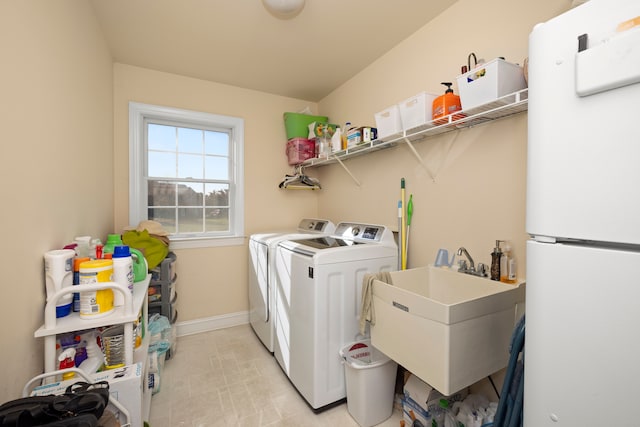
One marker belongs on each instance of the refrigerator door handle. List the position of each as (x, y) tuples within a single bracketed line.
[(543, 239)]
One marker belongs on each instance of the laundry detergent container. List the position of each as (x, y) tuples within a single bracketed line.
[(370, 378)]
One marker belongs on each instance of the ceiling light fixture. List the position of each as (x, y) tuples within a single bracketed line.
[(284, 9)]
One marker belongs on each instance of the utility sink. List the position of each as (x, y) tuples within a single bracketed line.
[(448, 328)]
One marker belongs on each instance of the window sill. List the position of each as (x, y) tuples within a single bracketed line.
[(206, 242)]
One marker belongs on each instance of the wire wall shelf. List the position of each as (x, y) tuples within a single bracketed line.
[(505, 106)]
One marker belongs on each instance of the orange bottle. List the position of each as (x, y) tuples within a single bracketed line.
[(445, 105)]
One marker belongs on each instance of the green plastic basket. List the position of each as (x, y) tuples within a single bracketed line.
[(297, 125)]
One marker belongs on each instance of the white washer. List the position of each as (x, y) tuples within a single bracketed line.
[(318, 296), (262, 273)]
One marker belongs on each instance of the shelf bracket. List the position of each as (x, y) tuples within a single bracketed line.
[(417, 155), (347, 170)]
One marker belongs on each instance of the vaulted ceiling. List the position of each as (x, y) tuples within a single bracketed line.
[(237, 42)]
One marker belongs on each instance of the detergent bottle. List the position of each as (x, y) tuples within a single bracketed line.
[(446, 104)]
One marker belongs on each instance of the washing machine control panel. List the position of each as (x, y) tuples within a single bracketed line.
[(319, 225), (360, 232)]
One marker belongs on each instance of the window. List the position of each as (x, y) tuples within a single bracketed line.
[(186, 173)]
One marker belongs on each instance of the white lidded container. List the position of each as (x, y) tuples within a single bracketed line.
[(58, 269), (122, 271), (96, 303), (370, 378)]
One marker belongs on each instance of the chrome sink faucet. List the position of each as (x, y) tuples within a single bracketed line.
[(471, 268), (463, 251)]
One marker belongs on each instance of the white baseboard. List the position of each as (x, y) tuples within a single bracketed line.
[(190, 327)]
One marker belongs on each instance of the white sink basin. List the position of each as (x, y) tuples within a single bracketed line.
[(448, 328)]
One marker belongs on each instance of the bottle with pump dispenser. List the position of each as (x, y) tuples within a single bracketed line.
[(496, 261), (445, 105), (508, 266)]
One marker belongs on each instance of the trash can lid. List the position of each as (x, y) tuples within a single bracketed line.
[(362, 355)]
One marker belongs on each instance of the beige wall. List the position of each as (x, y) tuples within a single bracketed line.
[(56, 163), (474, 189), (477, 193), (213, 281)]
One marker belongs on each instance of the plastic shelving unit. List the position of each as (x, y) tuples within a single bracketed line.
[(126, 315)]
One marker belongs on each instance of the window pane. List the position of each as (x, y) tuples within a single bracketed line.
[(216, 168), (189, 140), (165, 216), (187, 176), (190, 166), (190, 220), (162, 164), (190, 194), (161, 137), (217, 195), (216, 143), (161, 193), (217, 219)]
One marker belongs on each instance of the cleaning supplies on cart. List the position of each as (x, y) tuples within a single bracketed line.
[(95, 358), (99, 302), (122, 272), (66, 360)]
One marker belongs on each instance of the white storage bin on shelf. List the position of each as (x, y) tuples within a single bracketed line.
[(489, 81), (417, 110), (388, 122)]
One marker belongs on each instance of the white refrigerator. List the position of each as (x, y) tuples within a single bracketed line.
[(582, 354)]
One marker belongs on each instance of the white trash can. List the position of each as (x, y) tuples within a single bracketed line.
[(370, 378)]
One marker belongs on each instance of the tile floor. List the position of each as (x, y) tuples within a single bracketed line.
[(228, 378)]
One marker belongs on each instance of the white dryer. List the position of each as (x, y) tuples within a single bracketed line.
[(318, 297), (262, 273)]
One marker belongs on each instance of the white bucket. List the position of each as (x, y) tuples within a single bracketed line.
[(370, 380)]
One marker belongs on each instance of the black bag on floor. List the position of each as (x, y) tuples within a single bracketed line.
[(81, 405)]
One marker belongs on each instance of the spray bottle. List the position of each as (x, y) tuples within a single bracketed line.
[(66, 361), (94, 359)]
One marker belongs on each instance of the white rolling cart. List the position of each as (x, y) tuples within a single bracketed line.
[(126, 315)]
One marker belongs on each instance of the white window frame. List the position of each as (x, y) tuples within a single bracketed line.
[(138, 113)]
